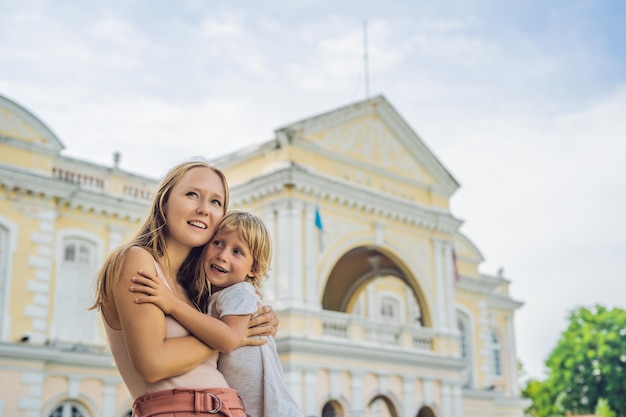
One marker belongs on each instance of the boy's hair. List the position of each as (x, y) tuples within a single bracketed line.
[(151, 237), (253, 231)]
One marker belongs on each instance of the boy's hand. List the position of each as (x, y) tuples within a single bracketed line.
[(151, 289), (264, 323)]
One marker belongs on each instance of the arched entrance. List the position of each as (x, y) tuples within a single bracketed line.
[(381, 406), (426, 412), (370, 282)]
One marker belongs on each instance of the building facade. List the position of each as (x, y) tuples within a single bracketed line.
[(383, 309)]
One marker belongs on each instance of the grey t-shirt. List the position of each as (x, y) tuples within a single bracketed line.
[(254, 371)]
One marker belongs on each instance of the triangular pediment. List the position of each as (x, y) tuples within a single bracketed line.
[(372, 137), (21, 128)]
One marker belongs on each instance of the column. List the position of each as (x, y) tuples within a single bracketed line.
[(290, 257), (311, 257), (439, 285), (335, 388), (409, 405), (511, 355), (427, 387), (485, 340), (449, 286), (457, 401), (108, 399), (309, 406), (446, 399), (270, 288), (358, 400), (41, 261), (293, 380)]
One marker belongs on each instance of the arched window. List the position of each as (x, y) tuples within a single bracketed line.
[(73, 323), (465, 346), (496, 354), (69, 409), (380, 407), (463, 340), (389, 309)]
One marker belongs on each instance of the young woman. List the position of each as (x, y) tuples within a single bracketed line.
[(166, 369), (236, 261)]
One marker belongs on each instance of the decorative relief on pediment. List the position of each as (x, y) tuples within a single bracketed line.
[(15, 127), (369, 140), (366, 179)]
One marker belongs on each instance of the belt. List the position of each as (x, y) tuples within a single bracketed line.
[(212, 401)]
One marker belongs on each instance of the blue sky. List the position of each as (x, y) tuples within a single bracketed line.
[(524, 103)]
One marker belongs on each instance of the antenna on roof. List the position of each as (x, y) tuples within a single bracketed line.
[(365, 62)]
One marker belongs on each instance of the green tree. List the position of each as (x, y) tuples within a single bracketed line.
[(603, 409), (586, 365)]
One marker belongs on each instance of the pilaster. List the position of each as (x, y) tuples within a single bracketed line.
[(40, 284), (289, 276), (441, 320)]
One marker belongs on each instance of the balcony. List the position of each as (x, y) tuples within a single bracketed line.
[(358, 330)]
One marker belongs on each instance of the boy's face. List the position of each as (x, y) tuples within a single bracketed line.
[(228, 260)]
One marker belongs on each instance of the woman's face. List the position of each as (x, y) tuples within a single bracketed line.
[(194, 207)]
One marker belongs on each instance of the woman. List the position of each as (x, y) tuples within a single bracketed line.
[(166, 369)]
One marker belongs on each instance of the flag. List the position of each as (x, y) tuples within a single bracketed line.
[(320, 228), (457, 276), (318, 219)]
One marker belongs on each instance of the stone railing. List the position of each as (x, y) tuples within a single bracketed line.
[(356, 329), (84, 180)]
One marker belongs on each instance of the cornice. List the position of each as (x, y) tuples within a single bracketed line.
[(29, 146), (503, 302), (364, 167), (72, 195), (326, 347), (52, 144), (484, 284), (54, 355), (497, 397), (343, 193), (401, 129)]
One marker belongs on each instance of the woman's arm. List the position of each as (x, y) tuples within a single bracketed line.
[(221, 335), (154, 356)]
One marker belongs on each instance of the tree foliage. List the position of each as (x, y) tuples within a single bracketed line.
[(587, 367)]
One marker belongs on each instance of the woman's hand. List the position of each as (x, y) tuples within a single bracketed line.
[(151, 289), (264, 323)]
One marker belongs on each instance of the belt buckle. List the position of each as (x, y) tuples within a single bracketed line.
[(219, 404), (208, 396)]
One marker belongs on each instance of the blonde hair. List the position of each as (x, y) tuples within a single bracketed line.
[(151, 237), (253, 231)]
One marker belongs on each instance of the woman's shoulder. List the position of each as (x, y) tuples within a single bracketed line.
[(134, 250), (137, 255)]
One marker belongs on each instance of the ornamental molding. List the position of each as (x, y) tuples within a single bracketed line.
[(327, 347), (342, 193), (484, 284), (503, 302), (18, 125), (72, 195), (96, 357), (294, 134)]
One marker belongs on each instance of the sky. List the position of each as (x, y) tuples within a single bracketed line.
[(524, 103)]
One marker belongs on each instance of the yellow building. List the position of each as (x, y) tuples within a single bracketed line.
[(383, 309)]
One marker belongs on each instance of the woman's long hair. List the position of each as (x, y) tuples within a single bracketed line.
[(151, 237)]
